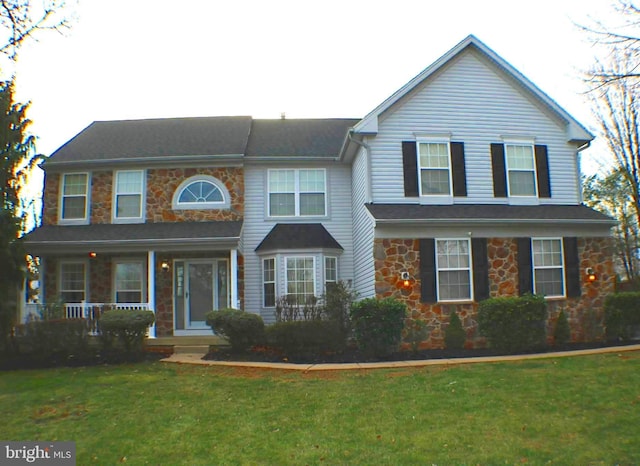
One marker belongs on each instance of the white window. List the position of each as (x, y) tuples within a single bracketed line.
[(297, 193), (453, 265), (73, 279), (128, 195), (201, 192), (434, 166), (129, 282), (75, 187), (269, 282), (300, 278), (521, 169), (548, 267), (330, 271)]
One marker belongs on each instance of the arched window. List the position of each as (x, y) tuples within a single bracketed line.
[(201, 192)]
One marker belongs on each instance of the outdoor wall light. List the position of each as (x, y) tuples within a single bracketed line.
[(93, 255), (165, 266), (404, 276), (591, 275)]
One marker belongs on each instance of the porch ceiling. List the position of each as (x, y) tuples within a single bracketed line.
[(62, 239)]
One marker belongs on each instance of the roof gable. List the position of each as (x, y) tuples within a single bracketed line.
[(575, 131)]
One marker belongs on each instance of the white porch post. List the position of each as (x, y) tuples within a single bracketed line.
[(151, 287), (234, 279)]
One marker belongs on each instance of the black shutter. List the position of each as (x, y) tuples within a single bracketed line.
[(410, 164), (499, 171), (480, 268), (525, 273), (542, 170), (428, 271), (572, 267), (458, 169)]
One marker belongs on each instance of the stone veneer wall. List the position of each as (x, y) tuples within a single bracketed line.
[(50, 199), (162, 184), (393, 256)]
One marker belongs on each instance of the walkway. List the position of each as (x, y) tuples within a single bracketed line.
[(196, 359)]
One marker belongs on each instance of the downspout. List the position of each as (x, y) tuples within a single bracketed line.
[(584, 146), (367, 151)]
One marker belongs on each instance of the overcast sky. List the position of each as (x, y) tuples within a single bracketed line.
[(126, 59)]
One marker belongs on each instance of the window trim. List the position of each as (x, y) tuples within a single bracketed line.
[(326, 281), (143, 279), (87, 199), (114, 204), (85, 265), (224, 204), (521, 142), (286, 269), (469, 268), (296, 192), (563, 267), (274, 282), (434, 140)]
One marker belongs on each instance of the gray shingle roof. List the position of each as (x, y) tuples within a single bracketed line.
[(114, 140), (129, 140), (298, 236), (298, 137), (106, 235), (487, 212)]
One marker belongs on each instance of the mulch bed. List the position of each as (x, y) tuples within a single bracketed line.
[(353, 355)]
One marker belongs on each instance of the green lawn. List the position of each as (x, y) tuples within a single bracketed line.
[(579, 410)]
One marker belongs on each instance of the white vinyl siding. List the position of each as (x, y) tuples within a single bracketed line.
[(74, 198), (472, 102), (363, 231), (547, 259)]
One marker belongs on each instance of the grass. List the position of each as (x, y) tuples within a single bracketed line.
[(579, 410)]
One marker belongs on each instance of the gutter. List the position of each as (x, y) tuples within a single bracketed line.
[(488, 221)]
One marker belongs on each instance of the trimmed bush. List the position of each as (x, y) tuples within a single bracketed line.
[(562, 332), (303, 338), (337, 302), (378, 324), (127, 327), (51, 340), (416, 332), (454, 335), (242, 329), (514, 324), (622, 316)]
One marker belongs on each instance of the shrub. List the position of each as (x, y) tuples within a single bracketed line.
[(337, 302), (288, 309), (377, 325), (242, 329), (416, 332), (562, 332), (45, 340), (514, 324), (622, 316), (305, 338), (454, 335), (127, 327)]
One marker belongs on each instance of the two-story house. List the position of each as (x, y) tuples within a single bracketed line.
[(462, 185)]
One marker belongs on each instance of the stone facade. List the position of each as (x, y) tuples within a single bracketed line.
[(394, 256), (50, 198)]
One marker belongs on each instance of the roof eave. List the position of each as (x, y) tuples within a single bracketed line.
[(488, 221), (157, 160)]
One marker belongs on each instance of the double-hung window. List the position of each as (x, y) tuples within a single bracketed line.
[(548, 267), (128, 197), (269, 282), (434, 167), (521, 169), (297, 193), (73, 278), (129, 282), (300, 278), (330, 272), (75, 187), (453, 265)]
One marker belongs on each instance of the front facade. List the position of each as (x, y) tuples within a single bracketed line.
[(462, 185)]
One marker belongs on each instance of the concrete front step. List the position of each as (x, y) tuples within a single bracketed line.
[(191, 349)]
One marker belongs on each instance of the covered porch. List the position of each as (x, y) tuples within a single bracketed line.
[(180, 271)]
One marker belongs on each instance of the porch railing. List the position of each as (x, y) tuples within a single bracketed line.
[(90, 311)]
